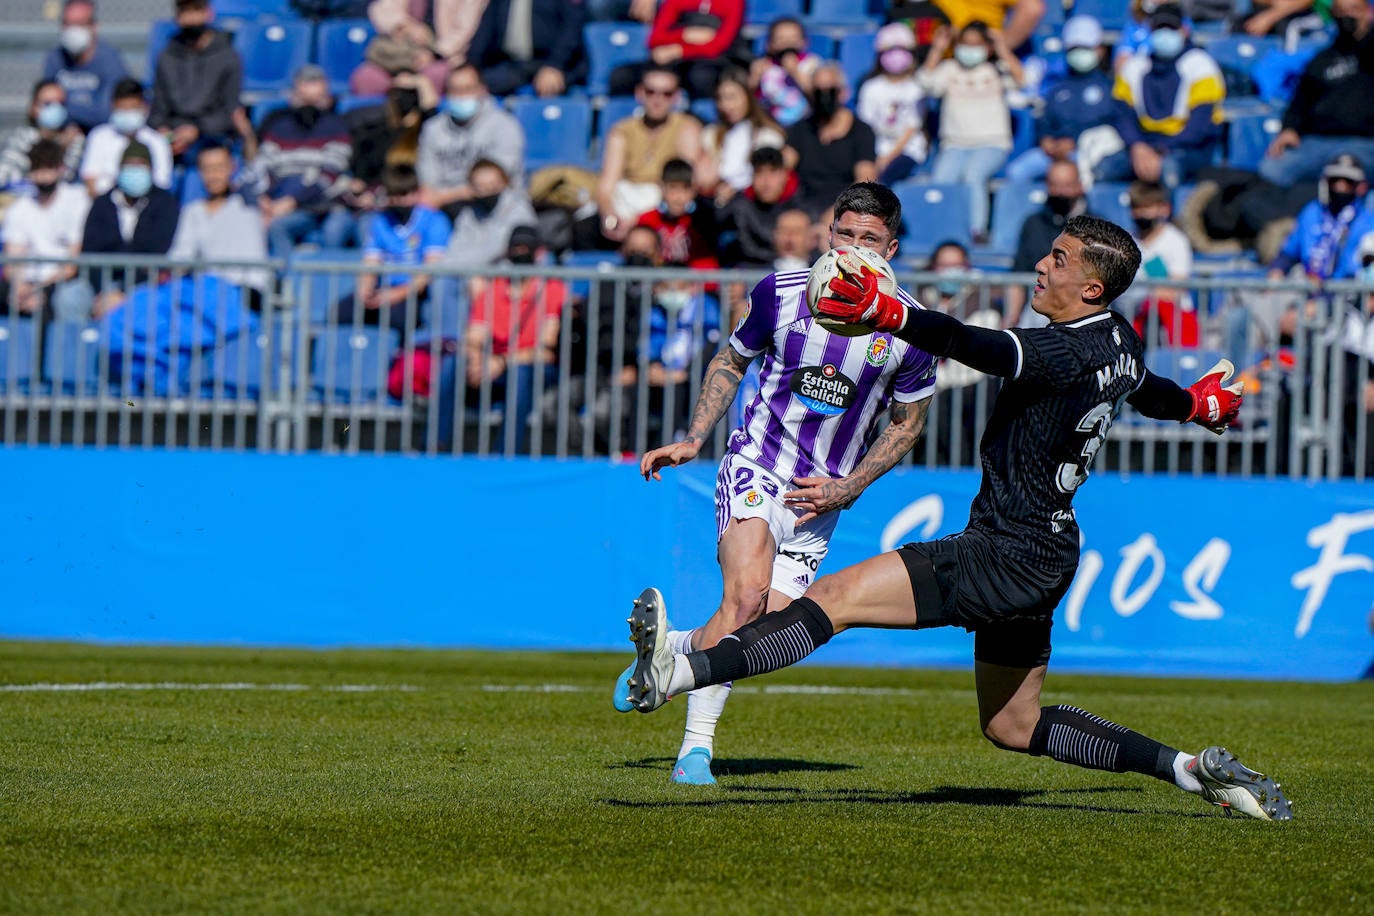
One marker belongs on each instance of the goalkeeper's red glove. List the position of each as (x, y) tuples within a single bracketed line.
[(855, 299), (1215, 404)]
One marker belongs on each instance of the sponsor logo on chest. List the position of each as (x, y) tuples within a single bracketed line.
[(824, 389)]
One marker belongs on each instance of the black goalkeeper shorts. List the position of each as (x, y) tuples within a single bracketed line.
[(964, 581)]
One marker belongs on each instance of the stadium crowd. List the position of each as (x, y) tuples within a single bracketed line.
[(481, 133)]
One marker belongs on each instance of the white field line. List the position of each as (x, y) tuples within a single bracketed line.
[(173, 685), (801, 689)]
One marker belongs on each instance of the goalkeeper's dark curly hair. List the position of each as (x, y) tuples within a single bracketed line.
[(1109, 254)]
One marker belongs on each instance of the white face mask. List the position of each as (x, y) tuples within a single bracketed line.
[(1082, 60), (75, 39), (128, 121), (970, 55)]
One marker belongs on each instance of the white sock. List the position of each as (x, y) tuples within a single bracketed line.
[(682, 679), (704, 707), (680, 641), (1183, 777)]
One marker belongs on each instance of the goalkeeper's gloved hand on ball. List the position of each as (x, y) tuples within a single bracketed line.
[(855, 299), (1216, 404)]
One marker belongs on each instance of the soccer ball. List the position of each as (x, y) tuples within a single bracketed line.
[(845, 260)]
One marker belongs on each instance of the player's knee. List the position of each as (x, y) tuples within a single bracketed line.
[(746, 600), (825, 591)]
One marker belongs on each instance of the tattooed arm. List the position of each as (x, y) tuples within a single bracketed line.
[(723, 375), (816, 495)]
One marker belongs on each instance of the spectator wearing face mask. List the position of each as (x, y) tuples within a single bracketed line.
[(831, 149), (482, 229), (47, 120), (890, 102), (48, 224), (133, 217), (1164, 314), (197, 82), (470, 126), (223, 227), (1168, 107), (975, 120), (106, 143), (782, 77), (1332, 110), (406, 233), (1081, 100), (302, 167), (85, 67)]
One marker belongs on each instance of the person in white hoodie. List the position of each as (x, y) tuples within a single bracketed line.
[(106, 143)]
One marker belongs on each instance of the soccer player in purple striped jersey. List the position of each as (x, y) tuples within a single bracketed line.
[(1003, 576), (812, 440)]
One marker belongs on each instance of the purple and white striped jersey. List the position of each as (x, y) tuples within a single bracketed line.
[(821, 395)]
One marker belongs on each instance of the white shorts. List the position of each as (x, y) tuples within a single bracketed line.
[(746, 490)]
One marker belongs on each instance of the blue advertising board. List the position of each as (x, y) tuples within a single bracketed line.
[(1179, 576)]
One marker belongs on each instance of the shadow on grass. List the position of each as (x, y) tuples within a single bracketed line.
[(1049, 799), (751, 766)]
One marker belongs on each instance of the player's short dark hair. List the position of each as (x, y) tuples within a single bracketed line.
[(1109, 254), (677, 171), (180, 5), (948, 243), (766, 157), (868, 198), (128, 88), (465, 65), (399, 179), (46, 154), (979, 26), (1147, 194)]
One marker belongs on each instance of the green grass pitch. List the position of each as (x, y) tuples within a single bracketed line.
[(478, 782)]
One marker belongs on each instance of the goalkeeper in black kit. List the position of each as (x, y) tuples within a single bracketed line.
[(1006, 572)]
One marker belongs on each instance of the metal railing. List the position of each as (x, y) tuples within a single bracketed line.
[(606, 362)]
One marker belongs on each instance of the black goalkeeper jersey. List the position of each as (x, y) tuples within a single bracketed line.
[(1049, 420)]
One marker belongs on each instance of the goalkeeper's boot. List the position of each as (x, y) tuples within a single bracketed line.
[(653, 666), (1236, 788), (694, 768), (620, 698)]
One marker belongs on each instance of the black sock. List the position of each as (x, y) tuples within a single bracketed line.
[(773, 641), (1070, 735)]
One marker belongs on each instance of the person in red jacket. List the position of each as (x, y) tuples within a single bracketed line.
[(698, 39)]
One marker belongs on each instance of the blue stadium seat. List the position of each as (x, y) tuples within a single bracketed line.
[(253, 9), (856, 56), (557, 130), (1248, 136), (70, 357), (1111, 13), (931, 214), (1111, 200), (272, 52), (233, 371), (339, 48), (609, 45), (848, 14), (602, 260), (349, 365), (762, 12), (17, 353), (160, 31), (1011, 204), (1181, 364), (447, 313), (704, 109), (316, 293), (1237, 55)]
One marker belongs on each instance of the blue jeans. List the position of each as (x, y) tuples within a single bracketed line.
[(974, 167), (337, 229), (1179, 166), (1305, 161)]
